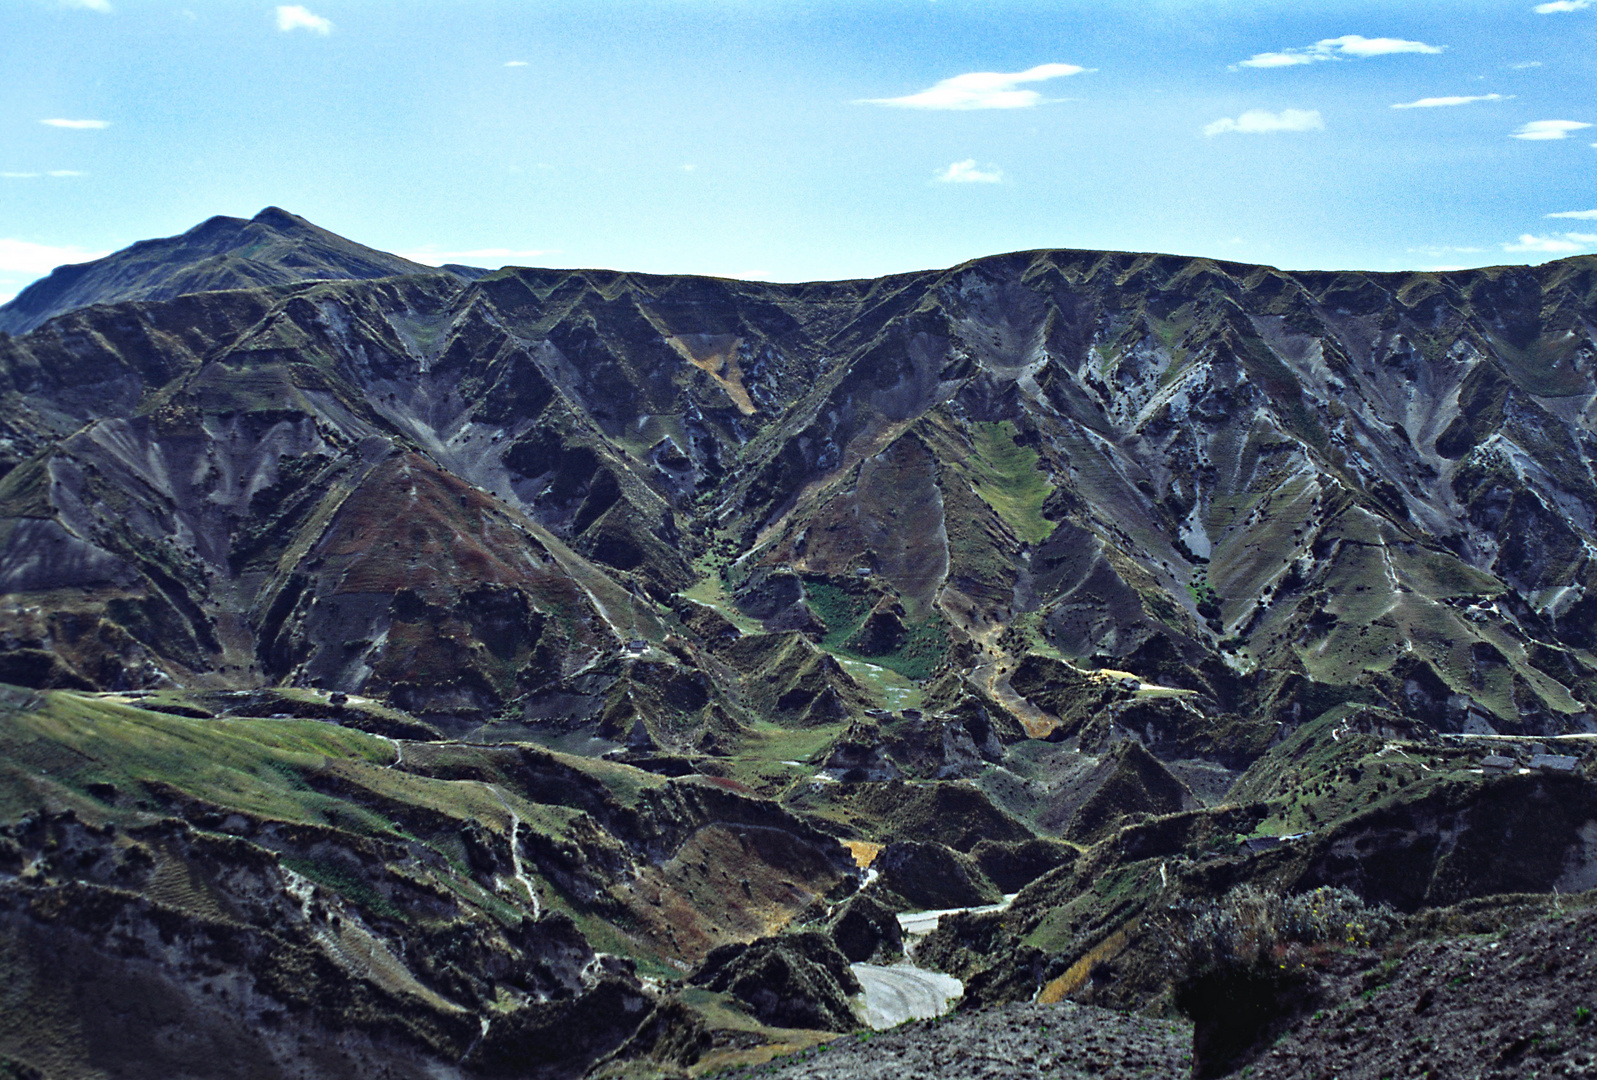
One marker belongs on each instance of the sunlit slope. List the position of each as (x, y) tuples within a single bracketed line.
[(470, 499), (272, 248)]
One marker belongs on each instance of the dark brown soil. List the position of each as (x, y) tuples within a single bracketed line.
[(1062, 1041), (1497, 1005)]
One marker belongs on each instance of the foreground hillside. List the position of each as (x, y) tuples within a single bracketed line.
[(1481, 991), (550, 670)]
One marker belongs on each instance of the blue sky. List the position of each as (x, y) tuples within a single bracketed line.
[(807, 139)]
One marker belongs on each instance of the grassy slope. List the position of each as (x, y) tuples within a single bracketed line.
[(1008, 480)]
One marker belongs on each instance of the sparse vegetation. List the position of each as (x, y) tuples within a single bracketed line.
[(1008, 479), (642, 595)]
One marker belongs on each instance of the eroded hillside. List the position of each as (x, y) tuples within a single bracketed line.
[(623, 600)]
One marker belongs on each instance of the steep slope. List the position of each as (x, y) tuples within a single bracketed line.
[(1062, 570), (272, 248), (1233, 481)]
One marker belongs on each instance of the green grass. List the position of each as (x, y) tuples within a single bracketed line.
[(1312, 781), (256, 766), (844, 612), (338, 878), (625, 783), (772, 742), (923, 649), (711, 592), (763, 758), (893, 690), (1008, 480)]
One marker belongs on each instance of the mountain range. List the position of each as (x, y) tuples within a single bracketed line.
[(536, 671)]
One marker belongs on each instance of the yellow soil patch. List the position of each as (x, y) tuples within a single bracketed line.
[(787, 1042), (716, 356), (1075, 978), (864, 852), (1038, 729)]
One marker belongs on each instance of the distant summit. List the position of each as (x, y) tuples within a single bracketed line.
[(272, 248)]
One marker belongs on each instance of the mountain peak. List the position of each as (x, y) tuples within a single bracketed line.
[(277, 218), (274, 247)]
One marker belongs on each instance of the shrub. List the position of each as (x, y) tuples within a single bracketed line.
[(1250, 928), (1245, 963)]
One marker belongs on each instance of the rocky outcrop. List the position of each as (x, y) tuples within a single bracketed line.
[(931, 877), (793, 981), (436, 603), (863, 928), (1213, 478)]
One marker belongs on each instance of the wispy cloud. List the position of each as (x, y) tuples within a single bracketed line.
[(1542, 130), (1579, 215), (1525, 66), (26, 257), (102, 6), (966, 172), (1558, 7), (77, 125), (429, 255), (58, 173), (982, 90), (298, 17), (1562, 244), (1348, 46), (1443, 102), (1260, 122), (515, 63)]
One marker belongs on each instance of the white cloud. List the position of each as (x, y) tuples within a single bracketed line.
[(1259, 122), (26, 257), (1440, 102), (78, 125), (1564, 244), (1526, 65), (1556, 7), (966, 172), (1356, 46), (102, 6), (1282, 59), (297, 17), (982, 90), (429, 255), (515, 63), (1581, 215), (35, 176), (1540, 130)]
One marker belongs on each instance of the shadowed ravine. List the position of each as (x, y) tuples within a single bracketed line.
[(558, 672)]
